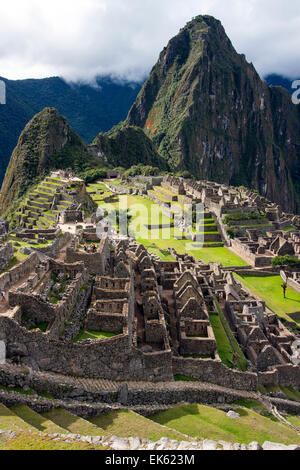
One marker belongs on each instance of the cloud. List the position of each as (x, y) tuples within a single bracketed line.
[(80, 39)]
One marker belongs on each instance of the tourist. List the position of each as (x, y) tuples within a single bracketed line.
[(3, 295)]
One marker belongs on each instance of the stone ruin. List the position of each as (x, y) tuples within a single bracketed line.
[(154, 318), (6, 255)]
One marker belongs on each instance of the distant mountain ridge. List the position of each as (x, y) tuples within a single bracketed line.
[(89, 109)]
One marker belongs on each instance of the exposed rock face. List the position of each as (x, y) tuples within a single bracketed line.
[(126, 146), (206, 109), (46, 142)]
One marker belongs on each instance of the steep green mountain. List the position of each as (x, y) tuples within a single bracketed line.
[(46, 143), (126, 146), (89, 109), (206, 110)]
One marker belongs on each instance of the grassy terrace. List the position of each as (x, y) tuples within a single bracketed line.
[(129, 424), (159, 240), (24, 440), (18, 255), (227, 346), (94, 335), (269, 289), (204, 422)]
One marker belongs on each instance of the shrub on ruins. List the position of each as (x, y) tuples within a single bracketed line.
[(90, 176), (236, 217), (141, 170), (287, 260), (232, 232), (184, 174)]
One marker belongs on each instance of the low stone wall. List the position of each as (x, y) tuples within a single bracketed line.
[(108, 322), (258, 261), (6, 254), (54, 248), (294, 285), (289, 376), (19, 271), (112, 358), (48, 234), (210, 371), (95, 262), (33, 307)]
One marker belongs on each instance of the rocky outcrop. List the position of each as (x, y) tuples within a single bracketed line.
[(206, 110)]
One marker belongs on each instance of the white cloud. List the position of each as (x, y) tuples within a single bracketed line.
[(79, 39)]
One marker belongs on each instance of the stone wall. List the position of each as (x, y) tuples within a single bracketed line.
[(54, 248), (242, 250), (71, 216), (6, 255), (48, 234), (95, 262), (207, 370), (113, 358), (33, 307), (107, 322), (19, 271)]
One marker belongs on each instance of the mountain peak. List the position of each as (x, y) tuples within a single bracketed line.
[(46, 142), (207, 111)]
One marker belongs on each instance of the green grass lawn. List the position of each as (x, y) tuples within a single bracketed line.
[(145, 212), (294, 420), (36, 420), (23, 440), (209, 423), (128, 424), (219, 255), (227, 344), (73, 424), (9, 421), (94, 335), (224, 348), (269, 289)]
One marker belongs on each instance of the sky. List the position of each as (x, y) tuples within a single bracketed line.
[(80, 39)]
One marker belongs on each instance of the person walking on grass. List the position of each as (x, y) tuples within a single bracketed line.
[(284, 287)]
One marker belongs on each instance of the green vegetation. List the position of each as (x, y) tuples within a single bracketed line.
[(141, 170), (72, 424), (83, 335), (9, 421), (269, 289), (285, 261), (205, 422), (184, 378), (16, 389), (40, 326), (237, 357), (219, 255), (128, 146), (36, 420), (226, 352), (24, 440), (145, 213), (129, 424), (89, 176)]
